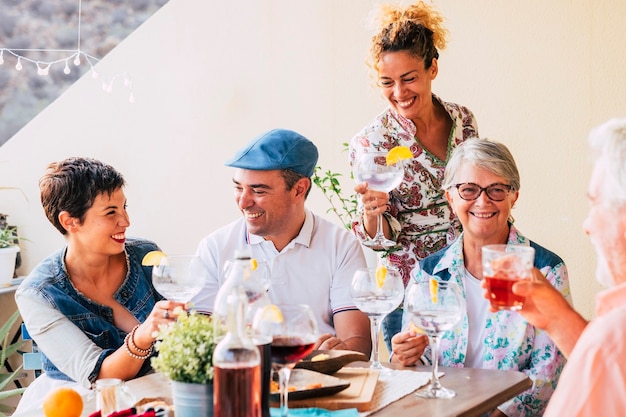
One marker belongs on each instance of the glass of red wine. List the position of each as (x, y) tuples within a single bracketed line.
[(294, 332)]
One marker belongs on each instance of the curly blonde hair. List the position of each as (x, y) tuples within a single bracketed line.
[(417, 28)]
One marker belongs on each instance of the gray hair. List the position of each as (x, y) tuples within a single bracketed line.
[(486, 154), (609, 141)]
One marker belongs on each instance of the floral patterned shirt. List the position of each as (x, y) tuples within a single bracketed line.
[(510, 342), (418, 213)]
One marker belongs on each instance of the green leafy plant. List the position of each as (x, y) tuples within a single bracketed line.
[(6, 351), (8, 236), (344, 206), (185, 349)]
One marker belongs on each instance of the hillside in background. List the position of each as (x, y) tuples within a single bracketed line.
[(54, 25)]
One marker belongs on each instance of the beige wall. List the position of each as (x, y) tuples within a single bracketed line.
[(207, 76)]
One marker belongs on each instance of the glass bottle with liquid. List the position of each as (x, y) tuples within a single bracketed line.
[(236, 365), (253, 276), (249, 273)]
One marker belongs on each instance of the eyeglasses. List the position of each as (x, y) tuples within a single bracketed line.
[(470, 191)]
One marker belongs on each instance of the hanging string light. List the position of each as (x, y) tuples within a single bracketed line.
[(74, 55)]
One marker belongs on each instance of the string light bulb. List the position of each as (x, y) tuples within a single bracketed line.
[(43, 67), (42, 70)]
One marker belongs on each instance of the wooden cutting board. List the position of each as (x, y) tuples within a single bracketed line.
[(358, 395)]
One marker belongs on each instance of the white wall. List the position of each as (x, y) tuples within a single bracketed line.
[(208, 76)]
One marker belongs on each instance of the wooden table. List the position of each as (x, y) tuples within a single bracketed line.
[(478, 391)]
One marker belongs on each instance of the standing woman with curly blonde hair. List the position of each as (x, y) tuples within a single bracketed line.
[(404, 56)]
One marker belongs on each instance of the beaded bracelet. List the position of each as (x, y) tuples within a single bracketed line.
[(134, 346), (128, 342)]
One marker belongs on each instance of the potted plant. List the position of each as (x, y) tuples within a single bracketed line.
[(9, 240), (8, 253), (6, 350), (185, 356)]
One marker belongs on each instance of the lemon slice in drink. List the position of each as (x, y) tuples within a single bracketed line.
[(272, 314), (153, 258), (415, 329), (381, 274), (397, 154), (434, 290)]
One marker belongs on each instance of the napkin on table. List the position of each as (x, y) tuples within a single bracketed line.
[(316, 412)]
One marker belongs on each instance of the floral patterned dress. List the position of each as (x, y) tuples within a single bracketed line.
[(419, 215), (509, 341)]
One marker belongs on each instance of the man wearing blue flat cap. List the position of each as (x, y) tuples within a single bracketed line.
[(311, 259)]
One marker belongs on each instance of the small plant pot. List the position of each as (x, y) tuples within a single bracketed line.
[(7, 264), (192, 400)]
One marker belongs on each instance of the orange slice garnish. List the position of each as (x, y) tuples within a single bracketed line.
[(397, 154), (381, 275)]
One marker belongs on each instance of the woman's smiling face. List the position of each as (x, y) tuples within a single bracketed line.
[(405, 82), (483, 219)]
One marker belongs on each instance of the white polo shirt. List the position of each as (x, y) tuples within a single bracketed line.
[(315, 268)]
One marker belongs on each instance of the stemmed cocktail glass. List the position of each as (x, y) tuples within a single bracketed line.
[(380, 175), (179, 277), (435, 307), (377, 291), (294, 332)]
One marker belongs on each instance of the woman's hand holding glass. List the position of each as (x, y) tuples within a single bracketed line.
[(408, 346), (381, 175)]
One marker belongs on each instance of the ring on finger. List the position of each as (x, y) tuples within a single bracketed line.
[(166, 314)]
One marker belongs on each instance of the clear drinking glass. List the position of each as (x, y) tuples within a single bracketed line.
[(503, 266), (179, 277), (435, 307), (377, 291), (372, 168)]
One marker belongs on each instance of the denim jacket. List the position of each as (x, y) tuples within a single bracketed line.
[(49, 286)]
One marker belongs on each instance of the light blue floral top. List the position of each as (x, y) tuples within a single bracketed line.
[(510, 342)]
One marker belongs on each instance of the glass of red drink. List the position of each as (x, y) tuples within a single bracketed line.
[(503, 265), (293, 329)]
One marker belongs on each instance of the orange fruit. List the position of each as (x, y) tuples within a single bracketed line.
[(63, 402), (397, 154)]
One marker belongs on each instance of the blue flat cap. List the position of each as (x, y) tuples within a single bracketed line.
[(277, 149)]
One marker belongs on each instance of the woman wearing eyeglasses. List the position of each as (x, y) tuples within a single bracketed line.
[(482, 183)]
